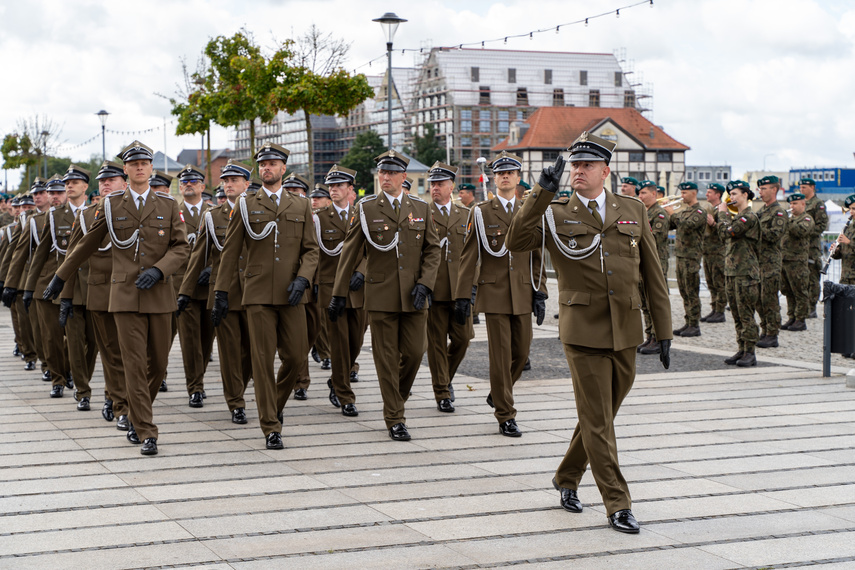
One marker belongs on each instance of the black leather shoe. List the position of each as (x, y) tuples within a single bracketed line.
[(716, 318), (691, 331), (149, 446), (354, 377), (274, 440), (280, 417), (196, 400), (399, 432), (238, 416), (132, 435), (735, 358), (527, 364), (326, 364), (333, 398), (509, 428), (315, 356), (644, 344), (748, 359), (450, 392), (69, 382), (31, 365), (46, 376), (705, 317), (349, 410), (490, 400), (122, 423), (56, 391), (623, 521), (83, 404), (17, 351), (107, 411), (768, 342), (163, 387), (204, 395), (300, 394), (569, 498), (445, 405)]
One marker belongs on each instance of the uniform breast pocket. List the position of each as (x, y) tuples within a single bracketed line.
[(124, 228), (574, 236), (629, 236), (417, 232), (158, 230), (294, 225), (381, 233)]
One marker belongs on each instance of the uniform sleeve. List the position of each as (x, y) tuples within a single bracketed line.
[(773, 231), (76, 234), (468, 260), (526, 230), (430, 254), (655, 287), (309, 250), (232, 248), (39, 256), (351, 253), (19, 256), (820, 220), (199, 259)]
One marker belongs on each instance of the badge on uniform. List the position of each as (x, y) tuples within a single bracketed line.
[(779, 213), (661, 215), (159, 217), (572, 243), (742, 219), (181, 215), (633, 243), (627, 222), (161, 233)]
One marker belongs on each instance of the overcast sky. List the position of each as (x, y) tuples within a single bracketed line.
[(739, 81)]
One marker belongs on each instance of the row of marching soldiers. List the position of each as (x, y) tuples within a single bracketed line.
[(748, 256), (269, 275)]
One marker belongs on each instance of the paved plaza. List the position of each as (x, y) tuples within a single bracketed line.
[(729, 468)]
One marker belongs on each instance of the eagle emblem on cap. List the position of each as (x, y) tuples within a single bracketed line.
[(392, 153), (584, 136), (70, 169), (267, 146)]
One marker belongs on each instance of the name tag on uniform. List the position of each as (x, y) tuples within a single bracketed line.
[(330, 231), (377, 221), (494, 226), (633, 222), (121, 219), (572, 222), (257, 212), (63, 227)]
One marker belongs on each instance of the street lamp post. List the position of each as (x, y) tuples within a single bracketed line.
[(45, 135), (102, 115), (389, 21)]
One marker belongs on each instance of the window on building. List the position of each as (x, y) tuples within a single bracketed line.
[(484, 95), (547, 76), (503, 122), (475, 73), (466, 121), (484, 118), (557, 97), (465, 141), (638, 174), (629, 98), (512, 75), (618, 78), (520, 115), (466, 153), (690, 175), (725, 176), (594, 98), (522, 96), (636, 156), (583, 77), (663, 156), (550, 155), (829, 175)]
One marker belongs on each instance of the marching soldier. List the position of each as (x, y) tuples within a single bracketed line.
[(26, 343), (506, 294), (273, 230), (815, 208), (233, 332), (659, 222), (394, 232), (773, 224), (149, 245), (691, 223), (714, 258), (447, 340), (740, 234), (347, 330), (601, 247), (195, 331), (161, 183), (795, 279)]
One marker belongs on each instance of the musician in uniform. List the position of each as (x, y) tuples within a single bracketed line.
[(601, 247), (690, 222), (773, 224), (660, 222), (845, 250), (795, 278), (815, 208), (714, 258)]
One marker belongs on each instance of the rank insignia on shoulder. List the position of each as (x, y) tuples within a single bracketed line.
[(627, 222)]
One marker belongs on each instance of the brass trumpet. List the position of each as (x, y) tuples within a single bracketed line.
[(731, 205), (673, 202)]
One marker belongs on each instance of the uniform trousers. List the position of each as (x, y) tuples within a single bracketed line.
[(145, 354), (795, 286), (272, 329), (742, 294), (196, 334), (26, 344), (36, 328), (322, 343), (235, 357), (53, 339), (447, 344), (689, 284), (714, 273), (107, 339), (769, 307), (345, 336), (508, 344), (313, 331), (602, 378), (82, 350), (398, 344), (815, 264)]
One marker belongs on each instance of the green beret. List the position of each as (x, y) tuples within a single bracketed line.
[(847, 202), (629, 180), (768, 180), (565, 193), (742, 185), (799, 196), (646, 184), (688, 186), (470, 187), (525, 185), (660, 189), (808, 181), (716, 186)]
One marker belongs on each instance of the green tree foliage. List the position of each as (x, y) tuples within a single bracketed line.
[(427, 149), (360, 158), (26, 146)]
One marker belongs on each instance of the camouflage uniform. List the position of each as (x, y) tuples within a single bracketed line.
[(773, 225), (795, 280), (659, 221), (691, 224), (815, 208), (6, 219), (740, 234), (846, 253), (714, 266)]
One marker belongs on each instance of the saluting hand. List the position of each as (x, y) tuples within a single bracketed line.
[(550, 177)]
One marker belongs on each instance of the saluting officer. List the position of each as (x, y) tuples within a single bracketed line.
[(795, 279), (740, 234), (275, 228), (394, 231), (773, 224), (447, 340), (233, 332), (26, 342), (506, 294), (691, 223), (714, 258), (149, 244), (815, 208), (660, 222), (601, 247)]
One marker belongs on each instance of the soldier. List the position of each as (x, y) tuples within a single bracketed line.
[(221, 195), (447, 340), (275, 229), (466, 195), (815, 208), (161, 183), (195, 331), (630, 186), (714, 258), (795, 280), (26, 342), (395, 234), (659, 222), (601, 247), (506, 293), (773, 224), (691, 223), (845, 249), (233, 333), (149, 242), (346, 331), (740, 234)]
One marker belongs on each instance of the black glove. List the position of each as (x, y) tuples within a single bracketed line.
[(66, 311), (148, 278), (296, 288), (2, 285), (336, 308), (474, 291), (204, 277), (461, 311), (9, 294), (539, 307), (357, 280), (28, 300), (665, 353), (420, 294), (315, 291), (550, 177), (54, 288), (221, 307), (183, 301)]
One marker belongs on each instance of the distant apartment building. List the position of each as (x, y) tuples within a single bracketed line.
[(703, 175)]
